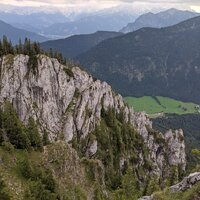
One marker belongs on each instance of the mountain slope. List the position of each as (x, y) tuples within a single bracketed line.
[(14, 34), (77, 44), (190, 125), (33, 22), (151, 62), (72, 110), (106, 21), (162, 19)]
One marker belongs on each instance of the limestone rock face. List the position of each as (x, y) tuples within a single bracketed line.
[(175, 147), (92, 148), (186, 183), (67, 102)]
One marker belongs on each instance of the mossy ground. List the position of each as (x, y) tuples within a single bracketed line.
[(66, 169)]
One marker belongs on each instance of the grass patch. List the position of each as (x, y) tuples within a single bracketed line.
[(155, 105)]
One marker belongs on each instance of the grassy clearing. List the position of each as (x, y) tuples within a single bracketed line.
[(154, 105)]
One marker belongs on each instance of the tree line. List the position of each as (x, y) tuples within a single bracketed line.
[(14, 132), (27, 48)]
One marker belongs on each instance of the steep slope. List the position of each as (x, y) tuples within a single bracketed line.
[(162, 19), (189, 124), (110, 137), (150, 62), (14, 34), (77, 44)]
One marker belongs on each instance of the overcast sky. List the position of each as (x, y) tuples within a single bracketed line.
[(101, 4)]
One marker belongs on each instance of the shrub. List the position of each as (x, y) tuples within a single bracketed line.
[(4, 195)]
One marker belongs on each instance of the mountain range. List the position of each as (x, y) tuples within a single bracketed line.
[(14, 34), (33, 22), (57, 25), (77, 44), (90, 24), (162, 19), (64, 134), (151, 61)]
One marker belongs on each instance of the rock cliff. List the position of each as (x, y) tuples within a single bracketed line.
[(68, 103), (186, 185)]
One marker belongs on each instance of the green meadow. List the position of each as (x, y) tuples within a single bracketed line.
[(158, 104)]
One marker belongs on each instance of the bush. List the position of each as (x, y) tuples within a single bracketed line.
[(4, 195), (37, 191), (8, 147)]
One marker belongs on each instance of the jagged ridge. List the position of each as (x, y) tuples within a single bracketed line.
[(68, 103)]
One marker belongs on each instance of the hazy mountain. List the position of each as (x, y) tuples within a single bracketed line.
[(60, 24), (34, 22), (14, 34), (77, 44), (150, 61), (162, 19), (106, 21)]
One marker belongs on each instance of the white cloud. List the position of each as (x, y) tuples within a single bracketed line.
[(95, 5)]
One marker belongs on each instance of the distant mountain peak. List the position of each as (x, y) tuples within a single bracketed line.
[(165, 18), (14, 34)]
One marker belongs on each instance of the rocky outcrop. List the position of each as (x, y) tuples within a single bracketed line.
[(186, 183), (146, 198), (175, 147), (67, 102)]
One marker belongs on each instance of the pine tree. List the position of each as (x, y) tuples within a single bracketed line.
[(33, 134), (15, 130), (28, 48)]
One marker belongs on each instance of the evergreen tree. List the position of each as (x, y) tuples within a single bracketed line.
[(152, 186), (33, 134), (130, 186), (45, 138), (28, 48), (15, 130)]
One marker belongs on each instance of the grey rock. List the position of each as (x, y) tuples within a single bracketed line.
[(70, 104), (92, 148), (186, 183), (146, 198)]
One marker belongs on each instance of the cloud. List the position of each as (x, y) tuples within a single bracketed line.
[(91, 5)]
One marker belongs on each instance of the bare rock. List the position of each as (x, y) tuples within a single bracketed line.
[(186, 183)]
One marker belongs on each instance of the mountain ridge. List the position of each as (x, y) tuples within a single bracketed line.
[(150, 61), (74, 108), (159, 20), (14, 34), (75, 45)]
